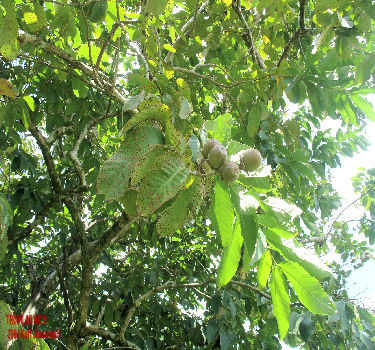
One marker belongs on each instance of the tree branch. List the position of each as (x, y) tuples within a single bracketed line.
[(324, 237), (95, 330), (72, 62), (248, 38), (184, 29), (170, 284), (301, 30)]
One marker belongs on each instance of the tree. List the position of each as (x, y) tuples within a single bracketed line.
[(115, 232)]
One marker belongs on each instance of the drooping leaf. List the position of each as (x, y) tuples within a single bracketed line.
[(309, 291), (294, 251), (222, 214), (280, 300), (230, 258), (264, 269), (245, 212), (364, 105)]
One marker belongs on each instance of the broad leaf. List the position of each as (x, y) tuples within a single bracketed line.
[(294, 251), (159, 113), (280, 300), (222, 214), (144, 163), (115, 173), (309, 291), (230, 258), (264, 269), (365, 106), (162, 183), (183, 207)]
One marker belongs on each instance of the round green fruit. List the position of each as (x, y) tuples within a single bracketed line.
[(217, 156), (208, 146), (230, 171), (251, 160)]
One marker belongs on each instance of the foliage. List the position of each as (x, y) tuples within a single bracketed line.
[(109, 224)]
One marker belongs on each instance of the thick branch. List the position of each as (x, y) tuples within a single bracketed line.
[(74, 153)]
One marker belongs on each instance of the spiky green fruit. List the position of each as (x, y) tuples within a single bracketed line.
[(230, 171), (251, 160), (208, 146), (217, 156)]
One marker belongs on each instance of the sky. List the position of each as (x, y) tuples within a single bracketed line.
[(360, 286)]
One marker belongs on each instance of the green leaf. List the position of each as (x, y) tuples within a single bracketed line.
[(230, 258), (162, 183), (185, 109), (159, 113), (132, 102), (365, 106), (156, 7), (8, 31), (264, 269), (114, 174), (220, 128), (169, 47), (292, 250), (129, 200), (98, 11), (30, 102), (309, 291), (79, 88), (222, 214), (183, 207), (306, 328), (253, 120), (144, 163), (245, 212), (280, 300), (6, 219), (270, 221)]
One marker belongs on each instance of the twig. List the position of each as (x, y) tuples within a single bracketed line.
[(171, 284), (90, 329), (55, 134), (301, 30), (248, 38), (104, 46), (30, 227), (184, 29), (88, 71), (74, 153), (137, 302), (137, 51), (324, 238)]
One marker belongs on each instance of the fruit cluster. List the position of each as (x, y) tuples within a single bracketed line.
[(215, 155)]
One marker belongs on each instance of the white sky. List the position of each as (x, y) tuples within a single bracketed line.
[(361, 286)]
